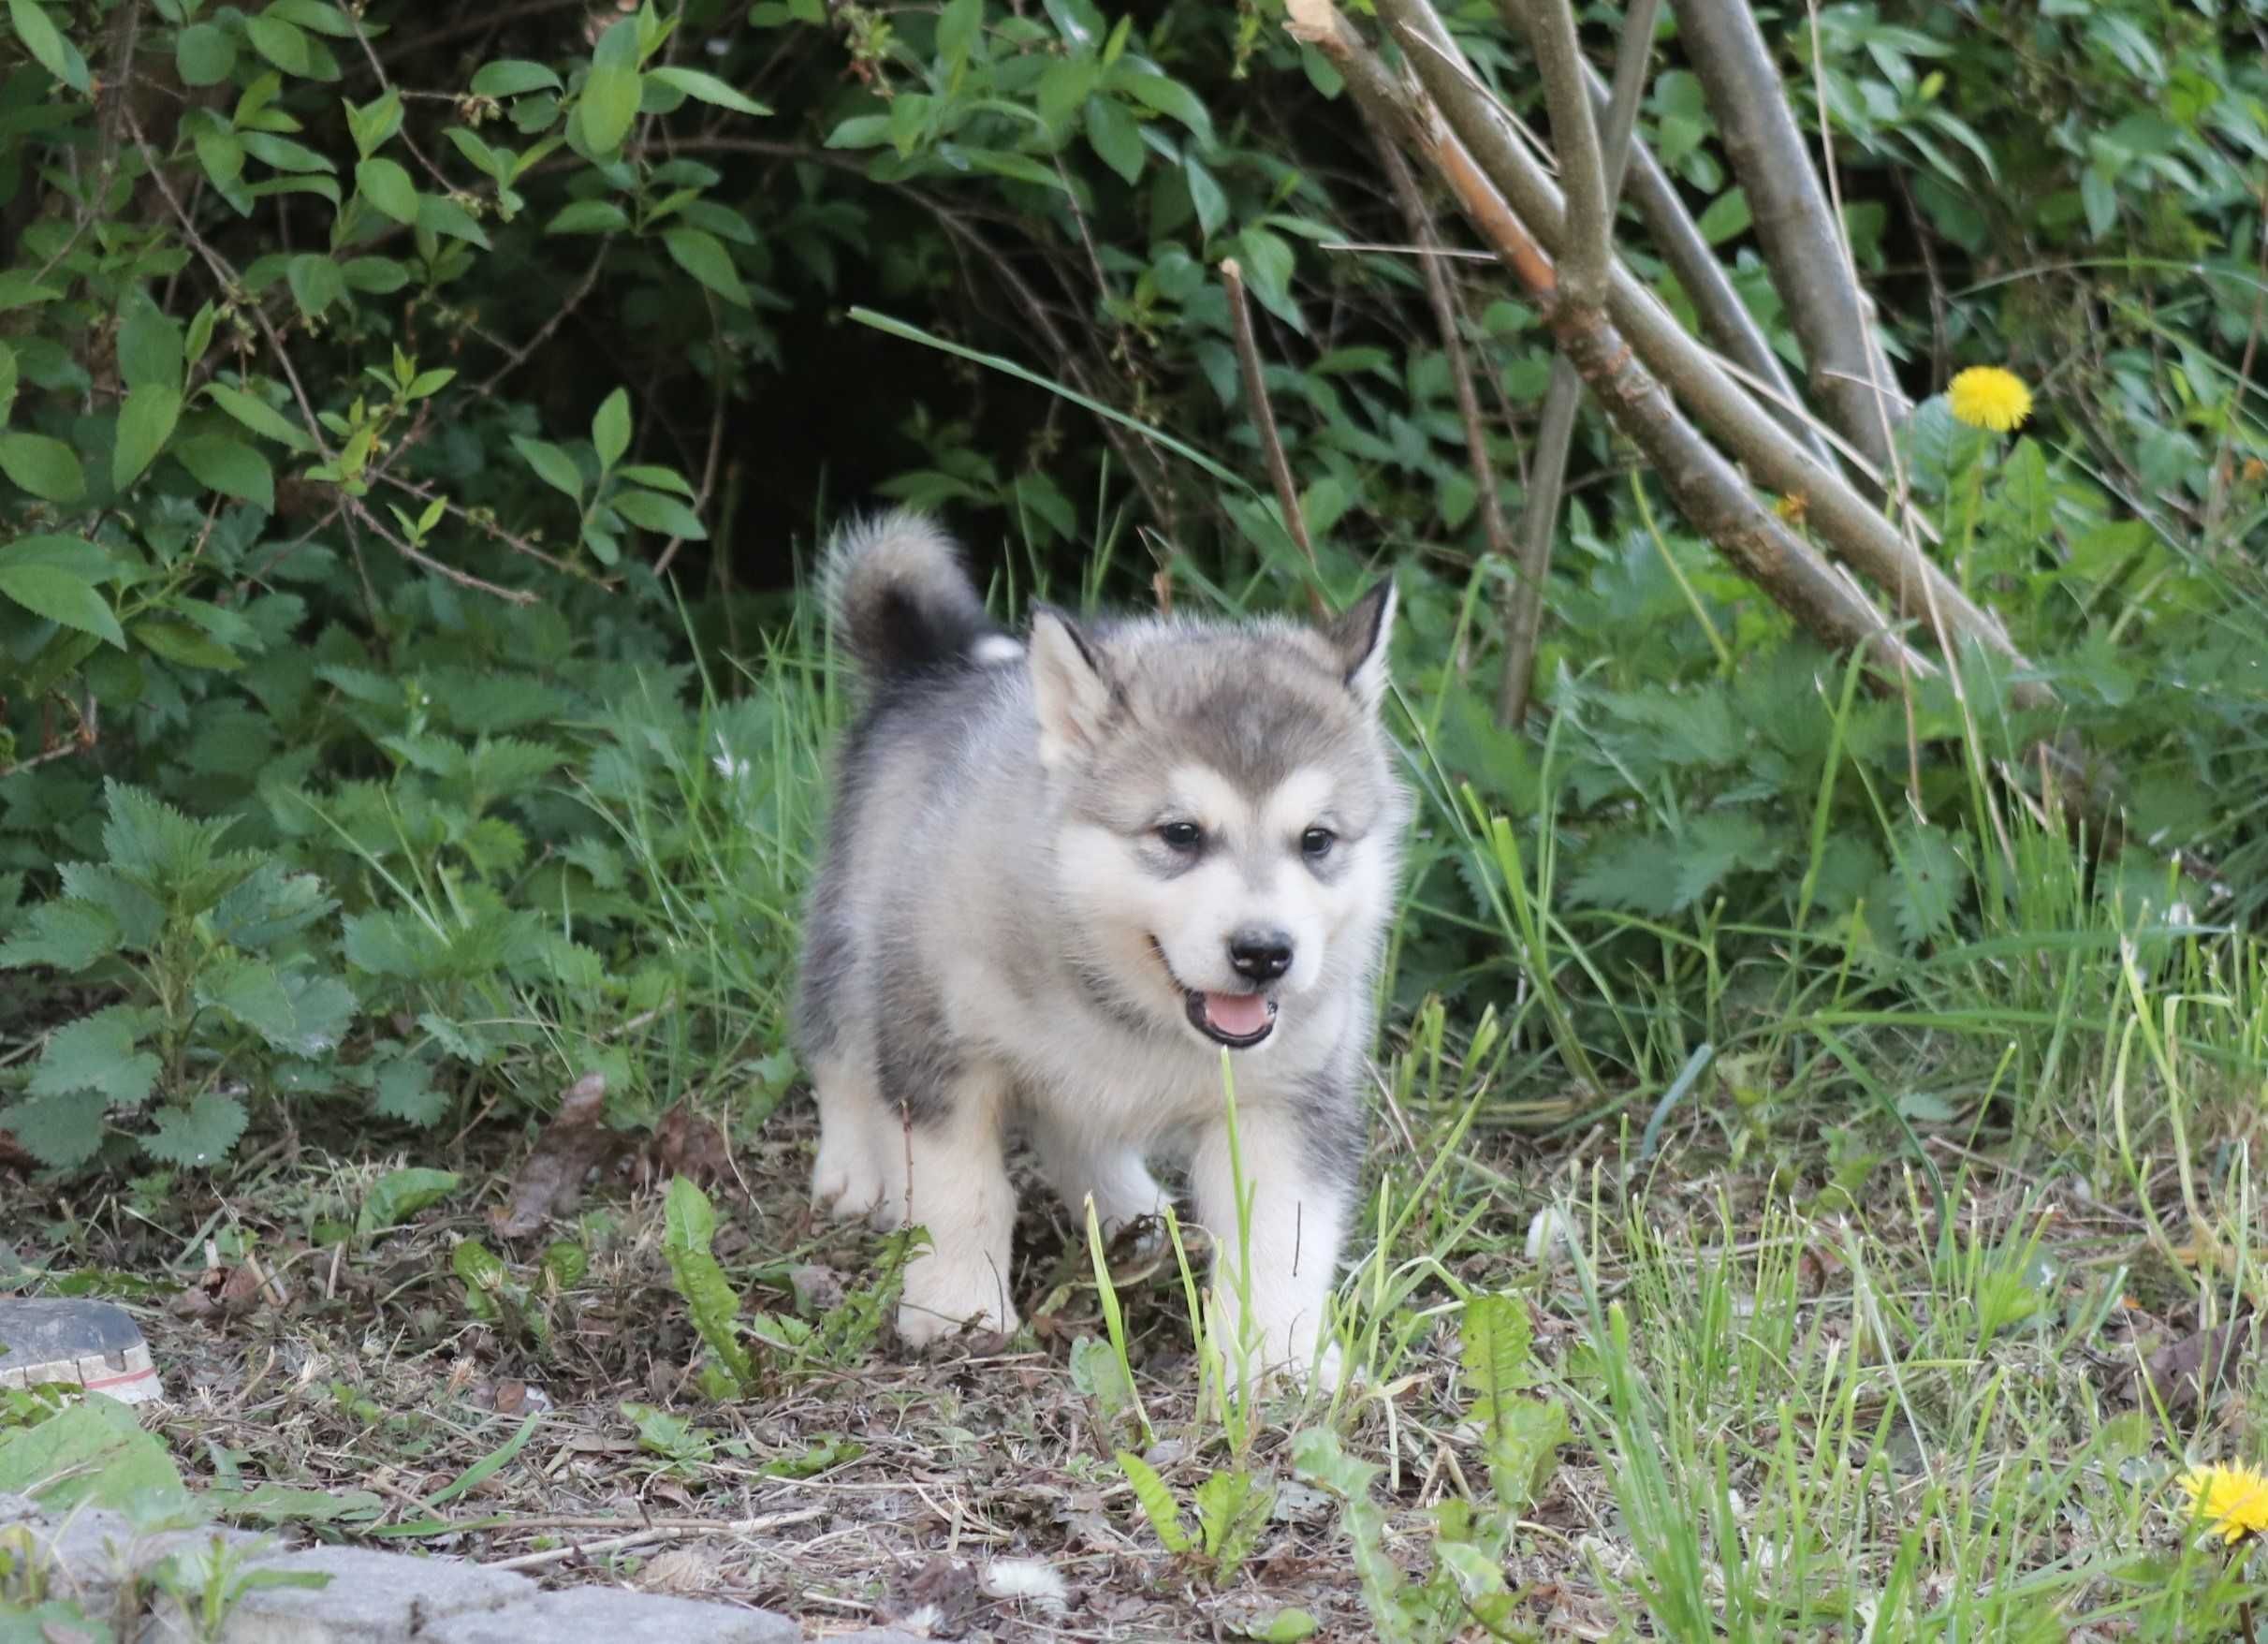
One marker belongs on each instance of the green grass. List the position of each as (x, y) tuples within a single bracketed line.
[(1842, 1244)]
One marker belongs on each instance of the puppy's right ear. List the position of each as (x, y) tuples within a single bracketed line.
[(1071, 690)]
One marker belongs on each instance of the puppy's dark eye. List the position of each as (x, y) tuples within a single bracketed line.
[(1317, 842), (1183, 835)]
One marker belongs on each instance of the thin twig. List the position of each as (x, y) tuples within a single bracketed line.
[(1444, 299), (660, 1529), (1264, 424), (518, 356), (708, 467)]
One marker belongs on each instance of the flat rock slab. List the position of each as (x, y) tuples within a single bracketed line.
[(372, 1598), (608, 1615)]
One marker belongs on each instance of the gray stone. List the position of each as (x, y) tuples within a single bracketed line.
[(611, 1615), (372, 1598), (877, 1635), (14, 1508), (94, 1555)]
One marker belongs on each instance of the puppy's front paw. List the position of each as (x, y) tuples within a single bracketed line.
[(942, 1298)]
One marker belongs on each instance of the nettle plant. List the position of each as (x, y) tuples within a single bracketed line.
[(275, 555)]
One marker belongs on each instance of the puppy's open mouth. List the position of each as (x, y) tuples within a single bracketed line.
[(1237, 1021)]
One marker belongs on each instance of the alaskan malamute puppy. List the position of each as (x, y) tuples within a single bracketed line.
[(1061, 876)]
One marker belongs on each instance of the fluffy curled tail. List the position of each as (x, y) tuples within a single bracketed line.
[(899, 602)]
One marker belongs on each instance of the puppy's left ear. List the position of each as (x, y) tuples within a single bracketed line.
[(1358, 640)]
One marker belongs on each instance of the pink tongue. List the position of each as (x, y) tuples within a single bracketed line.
[(1237, 1015)]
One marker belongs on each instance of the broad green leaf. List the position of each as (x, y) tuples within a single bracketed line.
[(651, 511), (231, 467), (60, 596), (386, 185), (399, 1195), (957, 31), (1290, 1625), (1167, 96), (511, 76), (202, 1133), (708, 88), (689, 1226), (200, 332), (1233, 1511), (284, 154), (553, 466), (703, 256), (204, 54), (1067, 84), (610, 427), (1932, 878), (659, 478), (1156, 1501), (100, 1053), (319, 15), (179, 643), (149, 345), (1205, 196), (315, 283), (406, 1091), (64, 934), (259, 417), (144, 425), (18, 289), (41, 39), (94, 1453), (1267, 261), (589, 216), (374, 124), (610, 91), (860, 131), (282, 43), (380, 276), (8, 381), (1116, 136), (219, 151), (439, 214), (1727, 215), (61, 1133), (47, 468)]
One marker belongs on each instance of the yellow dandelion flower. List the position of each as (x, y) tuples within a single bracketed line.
[(2231, 1498), (1984, 396)]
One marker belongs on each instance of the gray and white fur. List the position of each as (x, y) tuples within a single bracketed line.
[(1061, 876)]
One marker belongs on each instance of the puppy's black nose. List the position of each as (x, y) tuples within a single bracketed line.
[(1260, 953)]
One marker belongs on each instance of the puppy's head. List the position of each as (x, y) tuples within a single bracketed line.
[(1230, 822)]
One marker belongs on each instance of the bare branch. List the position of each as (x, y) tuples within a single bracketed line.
[(1848, 521), (1802, 237), (1589, 247), (1707, 489), (1264, 424), (1725, 320), (1555, 435)]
